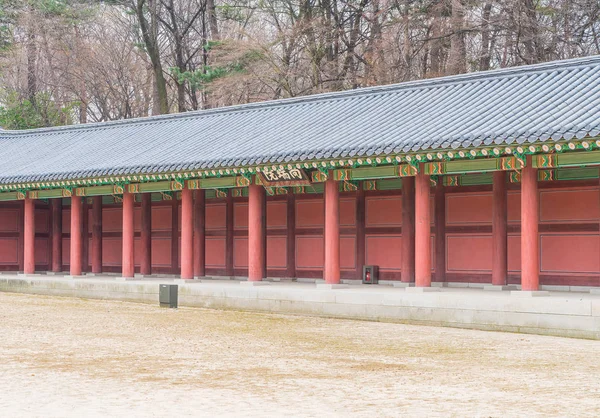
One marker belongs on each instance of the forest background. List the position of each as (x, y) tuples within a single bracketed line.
[(68, 61)]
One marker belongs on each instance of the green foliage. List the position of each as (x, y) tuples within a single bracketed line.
[(20, 113), (202, 78)]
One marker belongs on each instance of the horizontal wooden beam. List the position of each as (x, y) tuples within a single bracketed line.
[(218, 183), (155, 187), (111, 189), (7, 196), (49, 194), (375, 173), (474, 166), (569, 159)]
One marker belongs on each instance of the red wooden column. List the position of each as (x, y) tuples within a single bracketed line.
[(128, 235), (56, 235), (85, 235), (97, 235), (291, 236), (174, 234), (257, 236), (408, 230), (229, 235), (29, 237), (530, 251), (199, 233), (187, 234), (146, 235), (422, 230), (499, 230), (440, 232), (75, 262), (21, 239), (332, 232), (360, 231)]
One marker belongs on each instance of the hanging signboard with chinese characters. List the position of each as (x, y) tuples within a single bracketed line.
[(282, 177)]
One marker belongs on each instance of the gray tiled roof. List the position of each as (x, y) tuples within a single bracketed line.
[(553, 101)]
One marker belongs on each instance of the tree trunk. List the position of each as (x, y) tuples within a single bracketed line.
[(484, 56), (212, 20), (31, 57), (149, 36), (457, 60)]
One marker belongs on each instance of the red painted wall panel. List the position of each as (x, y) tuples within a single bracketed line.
[(347, 253), (161, 252), (41, 251), (161, 218), (112, 252), (384, 251), (309, 252), (215, 216), (513, 206), (66, 220), (112, 219), (9, 220), (276, 252), (569, 205), (240, 252), (240, 216), (137, 219), (383, 211), (41, 220), (514, 252), (66, 251), (276, 215), (215, 252), (469, 253), (9, 251), (310, 213), (468, 208), (348, 212), (570, 253)]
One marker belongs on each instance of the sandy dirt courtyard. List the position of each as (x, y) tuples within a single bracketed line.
[(73, 357)]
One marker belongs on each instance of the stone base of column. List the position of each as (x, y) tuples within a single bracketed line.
[(595, 291), (404, 284), (74, 277), (29, 276), (499, 288), (55, 273), (332, 286), (254, 283), (422, 289), (529, 293)]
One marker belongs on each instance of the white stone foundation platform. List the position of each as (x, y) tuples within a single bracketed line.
[(567, 314)]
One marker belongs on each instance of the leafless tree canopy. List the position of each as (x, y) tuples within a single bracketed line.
[(79, 61)]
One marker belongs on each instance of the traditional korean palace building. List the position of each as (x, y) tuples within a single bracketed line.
[(490, 177)]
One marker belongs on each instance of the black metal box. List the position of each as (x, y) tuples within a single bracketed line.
[(370, 275), (167, 295)]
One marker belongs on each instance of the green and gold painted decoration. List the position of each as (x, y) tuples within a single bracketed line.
[(319, 176), (349, 186), (572, 159), (370, 185), (474, 166), (473, 179), (49, 193), (367, 173), (576, 153)]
